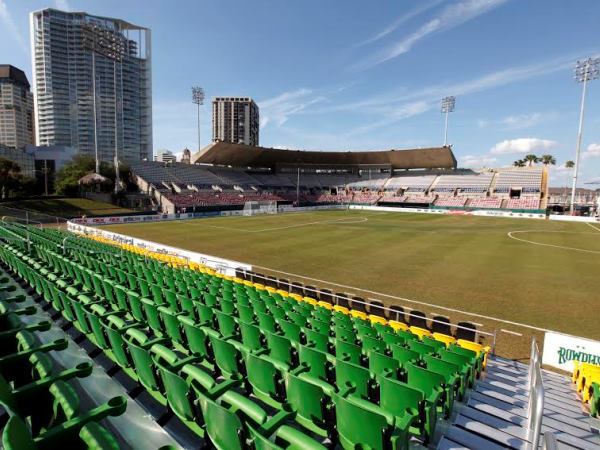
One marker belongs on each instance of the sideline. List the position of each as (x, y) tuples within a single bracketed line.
[(510, 235)]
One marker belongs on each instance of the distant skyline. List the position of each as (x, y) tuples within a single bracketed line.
[(333, 76)]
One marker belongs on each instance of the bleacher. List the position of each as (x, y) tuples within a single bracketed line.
[(451, 201), (413, 183), (485, 202), (523, 203), (235, 362), (529, 180), (190, 186), (464, 184)]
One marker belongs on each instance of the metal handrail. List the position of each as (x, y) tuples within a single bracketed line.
[(536, 397), (549, 442)]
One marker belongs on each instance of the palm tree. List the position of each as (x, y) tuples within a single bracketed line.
[(531, 159), (519, 163), (569, 164), (548, 160)]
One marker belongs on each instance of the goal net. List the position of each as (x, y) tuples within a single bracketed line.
[(253, 208)]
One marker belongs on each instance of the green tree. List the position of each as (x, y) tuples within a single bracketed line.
[(569, 164), (519, 163), (12, 180), (67, 178), (548, 160), (531, 159)]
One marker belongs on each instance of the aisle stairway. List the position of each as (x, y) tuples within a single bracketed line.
[(496, 414)]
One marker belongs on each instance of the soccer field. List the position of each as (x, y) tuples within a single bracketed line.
[(535, 272)]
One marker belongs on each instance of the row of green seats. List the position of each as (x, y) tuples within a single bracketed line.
[(205, 401), (165, 322), (39, 408)]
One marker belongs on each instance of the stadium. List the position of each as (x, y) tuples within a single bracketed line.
[(321, 271), (299, 299)]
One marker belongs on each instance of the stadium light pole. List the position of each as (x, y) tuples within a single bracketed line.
[(198, 99), (448, 104), (585, 70)]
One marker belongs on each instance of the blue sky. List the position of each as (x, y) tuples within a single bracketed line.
[(346, 75)]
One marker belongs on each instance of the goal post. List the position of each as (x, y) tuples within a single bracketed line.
[(255, 207)]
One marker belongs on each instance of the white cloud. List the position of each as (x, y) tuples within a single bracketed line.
[(559, 174), (517, 121), (434, 92), (400, 21), (393, 115), (450, 17), (477, 161), (13, 30), (521, 121), (521, 146), (592, 151), (279, 109), (63, 5)]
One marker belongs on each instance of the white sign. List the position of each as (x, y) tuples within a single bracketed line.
[(573, 218), (225, 266), (560, 350)]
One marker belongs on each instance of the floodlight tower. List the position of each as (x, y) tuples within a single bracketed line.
[(198, 99), (585, 70), (448, 104)]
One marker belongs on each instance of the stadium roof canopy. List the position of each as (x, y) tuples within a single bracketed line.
[(238, 155)]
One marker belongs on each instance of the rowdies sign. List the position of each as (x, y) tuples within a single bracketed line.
[(560, 350)]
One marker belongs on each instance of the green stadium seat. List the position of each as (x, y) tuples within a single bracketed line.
[(433, 386), (362, 424), (348, 352), (450, 372), (228, 358), (355, 379), (281, 349), (317, 363), (420, 347), (318, 340), (399, 398), (266, 380), (311, 403), (383, 365)]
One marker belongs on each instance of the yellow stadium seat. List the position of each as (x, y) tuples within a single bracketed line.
[(448, 340), (478, 348), (325, 305), (587, 374), (420, 332), (358, 314), (270, 289), (296, 297), (283, 293), (395, 325), (310, 301), (260, 287), (341, 309), (377, 319)]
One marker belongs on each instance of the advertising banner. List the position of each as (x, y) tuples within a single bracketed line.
[(225, 266), (560, 350)]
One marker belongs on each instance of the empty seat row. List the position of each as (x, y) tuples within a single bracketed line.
[(40, 407)]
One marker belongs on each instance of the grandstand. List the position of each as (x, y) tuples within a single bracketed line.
[(247, 361), (228, 175)]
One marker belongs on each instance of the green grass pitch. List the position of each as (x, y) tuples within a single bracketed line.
[(545, 275)]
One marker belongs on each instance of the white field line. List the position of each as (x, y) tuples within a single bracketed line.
[(510, 235), (593, 226), (404, 299)]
